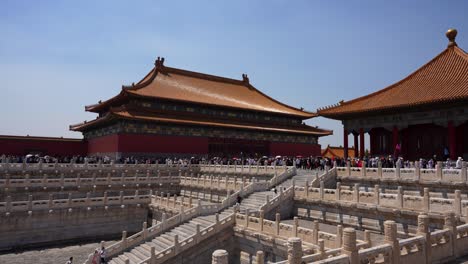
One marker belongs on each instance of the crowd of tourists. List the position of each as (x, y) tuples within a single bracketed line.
[(306, 163), (391, 162)]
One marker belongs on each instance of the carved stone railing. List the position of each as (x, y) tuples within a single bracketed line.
[(86, 202), (66, 167), (283, 196), (397, 200), (62, 181), (243, 169), (147, 233), (189, 242), (214, 183), (328, 178), (415, 174), (440, 246)]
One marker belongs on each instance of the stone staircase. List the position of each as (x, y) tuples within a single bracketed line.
[(163, 245), (162, 242)]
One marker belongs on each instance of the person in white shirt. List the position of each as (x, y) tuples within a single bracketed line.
[(458, 164)]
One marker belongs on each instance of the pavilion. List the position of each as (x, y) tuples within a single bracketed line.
[(423, 115), (175, 111)]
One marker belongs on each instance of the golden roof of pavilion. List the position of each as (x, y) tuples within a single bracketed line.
[(442, 80), (174, 84)]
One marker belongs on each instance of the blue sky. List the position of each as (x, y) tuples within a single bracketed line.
[(58, 56)]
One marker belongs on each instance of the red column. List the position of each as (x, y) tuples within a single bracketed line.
[(356, 150), (345, 142), (361, 142), (452, 140)]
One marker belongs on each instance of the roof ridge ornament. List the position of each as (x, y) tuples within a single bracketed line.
[(245, 78), (159, 63), (451, 35)]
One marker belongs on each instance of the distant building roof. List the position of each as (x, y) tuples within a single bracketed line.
[(331, 152), (444, 79), (181, 85)]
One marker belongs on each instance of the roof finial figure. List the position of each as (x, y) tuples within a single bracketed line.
[(159, 63), (245, 78), (451, 35)]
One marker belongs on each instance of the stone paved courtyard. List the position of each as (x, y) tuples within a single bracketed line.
[(50, 255)]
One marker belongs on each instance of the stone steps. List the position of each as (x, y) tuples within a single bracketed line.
[(166, 240)]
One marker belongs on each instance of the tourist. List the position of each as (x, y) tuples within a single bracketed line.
[(239, 200), (459, 162), (102, 254), (96, 257), (70, 261)]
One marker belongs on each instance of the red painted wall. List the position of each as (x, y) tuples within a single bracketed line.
[(293, 149), (105, 144), (162, 144), (18, 145)]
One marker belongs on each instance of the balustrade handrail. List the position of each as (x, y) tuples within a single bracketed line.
[(31, 205)]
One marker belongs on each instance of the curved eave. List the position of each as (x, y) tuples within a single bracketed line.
[(334, 112), (88, 124), (392, 109), (315, 131)]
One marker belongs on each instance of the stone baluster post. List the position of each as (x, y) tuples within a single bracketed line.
[(295, 226), (339, 236), (349, 245), (466, 215), (168, 198), (294, 250), (423, 230), (88, 199), (8, 203), (220, 256), (121, 197), (356, 192), (152, 254), (247, 216), (367, 238), (439, 170), (321, 190), (427, 200), (315, 232), (451, 224), (397, 172), (321, 245), (390, 232), (306, 189), (348, 168), (261, 217), (51, 201), (267, 199), (464, 172), (338, 191), (379, 169), (260, 258), (197, 232), (417, 170), (277, 223), (400, 197), (176, 244), (105, 198), (30, 198), (144, 230), (457, 203), (124, 240), (70, 200), (363, 169), (377, 194)]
